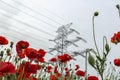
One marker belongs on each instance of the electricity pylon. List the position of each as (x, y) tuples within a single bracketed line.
[(62, 42)]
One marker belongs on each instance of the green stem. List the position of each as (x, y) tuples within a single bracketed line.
[(21, 74), (62, 43), (102, 64), (119, 11), (86, 66), (104, 39), (94, 36), (1, 77), (101, 76), (5, 58), (118, 7)]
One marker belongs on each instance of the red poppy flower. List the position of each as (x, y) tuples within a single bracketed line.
[(58, 74), (7, 67), (20, 46), (3, 40), (33, 78), (40, 60), (92, 78), (53, 77), (38, 66), (80, 73), (24, 75), (49, 68), (66, 69), (77, 67), (117, 62), (116, 38), (56, 69), (64, 58), (65, 78), (53, 59), (67, 73), (30, 53), (28, 68), (40, 56), (41, 53)]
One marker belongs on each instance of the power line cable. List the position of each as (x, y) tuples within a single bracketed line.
[(20, 30), (14, 38), (64, 20), (16, 8), (51, 12), (54, 14), (28, 14), (44, 8), (33, 10), (28, 25), (20, 33), (22, 23)]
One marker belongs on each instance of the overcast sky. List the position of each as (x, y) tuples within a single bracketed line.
[(37, 20)]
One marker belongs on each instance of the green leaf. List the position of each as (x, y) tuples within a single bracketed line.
[(91, 60), (98, 66), (107, 48), (98, 58)]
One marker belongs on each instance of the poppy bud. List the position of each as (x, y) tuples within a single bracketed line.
[(42, 66), (1, 53), (117, 6), (91, 60), (107, 48), (8, 52), (23, 62), (96, 13), (11, 44)]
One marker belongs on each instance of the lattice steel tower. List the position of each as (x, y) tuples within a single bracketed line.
[(61, 40)]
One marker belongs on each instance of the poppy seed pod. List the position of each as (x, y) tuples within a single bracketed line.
[(96, 13), (23, 62), (8, 50), (117, 6), (1, 53), (11, 44)]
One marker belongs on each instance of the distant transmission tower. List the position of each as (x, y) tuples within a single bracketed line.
[(61, 40), (62, 43)]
